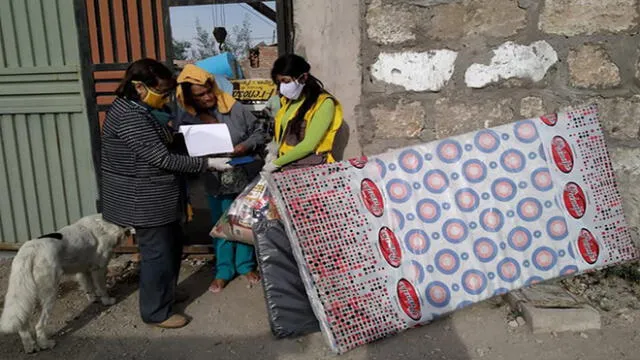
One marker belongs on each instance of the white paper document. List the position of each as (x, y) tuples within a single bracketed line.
[(207, 139)]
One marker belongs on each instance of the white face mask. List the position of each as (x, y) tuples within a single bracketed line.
[(291, 90)]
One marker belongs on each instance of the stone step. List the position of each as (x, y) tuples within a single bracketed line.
[(551, 308)]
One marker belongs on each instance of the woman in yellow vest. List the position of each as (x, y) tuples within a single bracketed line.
[(307, 123)]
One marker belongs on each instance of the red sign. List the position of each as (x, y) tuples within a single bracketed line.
[(389, 247), (372, 197), (574, 200), (588, 246), (409, 300), (562, 154), (551, 119), (359, 162)]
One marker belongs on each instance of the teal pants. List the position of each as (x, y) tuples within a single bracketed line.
[(232, 258)]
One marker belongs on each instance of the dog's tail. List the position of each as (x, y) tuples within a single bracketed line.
[(21, 295)]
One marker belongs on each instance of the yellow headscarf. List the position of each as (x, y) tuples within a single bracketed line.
[(195, 75)]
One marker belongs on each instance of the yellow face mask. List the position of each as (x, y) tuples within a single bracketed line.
[(153, 98)]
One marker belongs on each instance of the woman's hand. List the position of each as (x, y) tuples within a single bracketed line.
[(270, 167), (220, 164), (272, 152), (239, 150)]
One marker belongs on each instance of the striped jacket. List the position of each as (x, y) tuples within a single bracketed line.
[(140, 176)]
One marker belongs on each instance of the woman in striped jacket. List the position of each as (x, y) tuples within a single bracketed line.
[(141, 183)]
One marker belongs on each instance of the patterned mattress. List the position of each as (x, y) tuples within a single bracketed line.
[(393, 241)]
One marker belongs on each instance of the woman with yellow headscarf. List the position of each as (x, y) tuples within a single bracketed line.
[(202, 102)]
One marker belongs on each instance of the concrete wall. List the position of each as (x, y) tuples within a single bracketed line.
[(437, 68), (327, 34)]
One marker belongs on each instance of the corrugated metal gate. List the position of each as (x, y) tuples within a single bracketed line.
[(119, 32), (47, 179)]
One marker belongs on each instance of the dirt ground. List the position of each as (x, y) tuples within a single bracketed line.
[(233, 325)]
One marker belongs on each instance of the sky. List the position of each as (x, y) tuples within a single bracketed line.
[(183, 20)]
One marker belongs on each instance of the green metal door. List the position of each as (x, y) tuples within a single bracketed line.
[(47, 179)]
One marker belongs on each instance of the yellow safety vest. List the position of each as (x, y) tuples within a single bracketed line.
[(326, 144)]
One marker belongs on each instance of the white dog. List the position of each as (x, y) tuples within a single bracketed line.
[(83, 248)]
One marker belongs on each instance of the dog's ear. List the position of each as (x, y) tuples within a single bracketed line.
[(128, 231), (109, 233)]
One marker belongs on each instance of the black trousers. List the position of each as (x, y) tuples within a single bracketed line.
[(161, 251)]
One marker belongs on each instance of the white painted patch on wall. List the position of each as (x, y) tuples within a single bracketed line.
[(416, 71), (511, 60)]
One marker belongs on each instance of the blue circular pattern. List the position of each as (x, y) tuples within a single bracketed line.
[(537, 234), (428, 211), (438, 294), (504, 189), (455, 231), (399, 217), (419, 271), (561, 253), (511, 213), (485, 249), (411, 217), (464, 256), (523, 185), (513, 161), (570, 251), (544, 258), (491, 220), (449, 151), (399, 191), (430, 268), (392, 167), (435, 236), (491, 276), (568, 270), (493, 165), (428, 157), (526, 263), (538, 178), (541, 153), (455, 287), (533, 155), (467, 199), (417, 241), (500, 291), (548, 204), (519, 238), (468, 147), (446, 206), (529, 209), (533, 280), (503, 245), (486, 196), (416, 185), (486, 141), (525, 131), (473, 225), (381, 167), (410, 161), (505, 137), (474, 282), (557, 228), (508, 270), (474, 171), (447, 261), (464, 304), (436, 181), (455, 176)]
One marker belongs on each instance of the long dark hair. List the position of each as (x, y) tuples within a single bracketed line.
[(294, 66), (148, 72)]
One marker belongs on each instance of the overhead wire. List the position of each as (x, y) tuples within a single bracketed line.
[(252, 12)]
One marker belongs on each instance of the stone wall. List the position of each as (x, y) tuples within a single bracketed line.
[(437, 68)]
